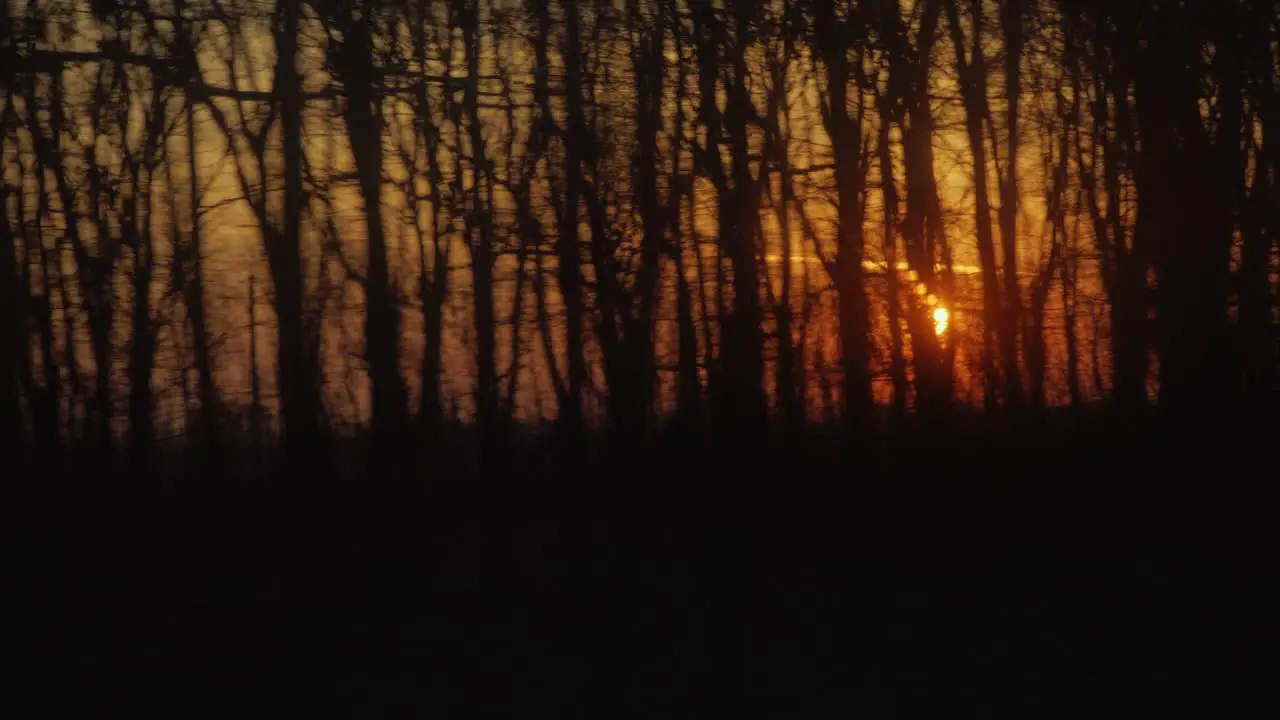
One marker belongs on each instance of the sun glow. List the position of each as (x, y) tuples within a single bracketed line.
[(941, 320)]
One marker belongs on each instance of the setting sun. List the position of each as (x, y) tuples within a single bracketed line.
[(941, 320)]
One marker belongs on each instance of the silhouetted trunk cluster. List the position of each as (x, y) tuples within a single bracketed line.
[(261, 248)]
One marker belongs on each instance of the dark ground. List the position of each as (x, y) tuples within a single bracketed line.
[(1116, 570)]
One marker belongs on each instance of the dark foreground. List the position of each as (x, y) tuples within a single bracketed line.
[(1116, 569)]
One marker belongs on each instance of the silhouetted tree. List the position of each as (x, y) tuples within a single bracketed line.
[(923, 234), (354, 65), (466, 14), (852, 155), (618, 186), (1123, 254), (11, 335), (1013, 17), (971, 68)]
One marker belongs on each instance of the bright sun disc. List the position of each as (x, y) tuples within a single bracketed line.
[(941, 319)]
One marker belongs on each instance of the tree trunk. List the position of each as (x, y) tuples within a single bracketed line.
[(433, 288), (788, 398), (851, 179), (382, 311), (689, 400), (481, 242), (296, 373), (972, 71), (1011, 19), (568, 245), (889, 192), (137, 231), (12, 342), (922, 225), (194, 281), (739, 220), (638, 354)]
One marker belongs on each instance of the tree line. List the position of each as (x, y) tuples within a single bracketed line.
[(906, 240), (604, 204)]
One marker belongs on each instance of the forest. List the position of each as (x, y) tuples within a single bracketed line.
[(638, 358)]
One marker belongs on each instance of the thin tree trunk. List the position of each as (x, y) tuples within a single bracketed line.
[(194, 286), (136, 221), (46, 412), (528, 241), (785, 375), (1011, 20), (67, 199), (922, 224), (12, 342), (480, 235), (707, 34), (851, 178), (46, 400), (255, 375), (972, 72), (739, 221), (638, 354), (690, 384), (433, 288), (382, 311), (568, 245), (1034, 343), (889, 192), (297, 375), (1070, 289), (44, 383), (96, 273), (1123, 269)]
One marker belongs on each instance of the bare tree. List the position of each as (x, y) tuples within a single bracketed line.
[(481, 242), (1123, 254), (355, 65), (1013, 18), (11, 336), (923, 234), (971, 66), (779, 140), (852, 154), (136, 228), (190, 260)]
